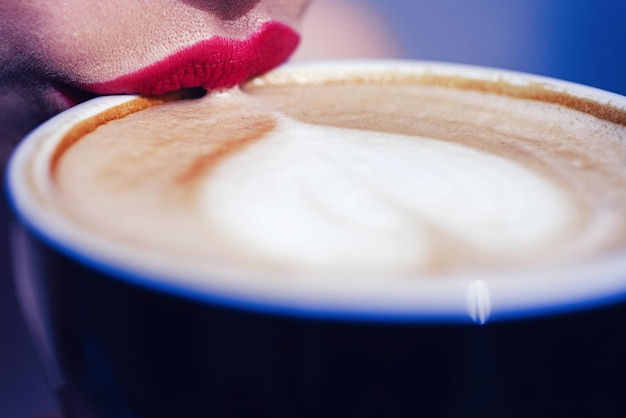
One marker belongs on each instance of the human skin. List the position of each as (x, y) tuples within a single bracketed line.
[(51, 47), (48, 48)]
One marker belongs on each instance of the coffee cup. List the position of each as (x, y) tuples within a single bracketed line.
[(383, 238)]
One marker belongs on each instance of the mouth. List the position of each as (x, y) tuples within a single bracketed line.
[(66, 95), (214, 64)]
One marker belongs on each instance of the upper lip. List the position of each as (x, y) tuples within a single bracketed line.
[(214, 64)]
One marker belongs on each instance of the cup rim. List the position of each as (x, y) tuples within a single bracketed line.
[(463, 298)]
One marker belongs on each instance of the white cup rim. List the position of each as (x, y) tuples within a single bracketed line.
[(467, 298)]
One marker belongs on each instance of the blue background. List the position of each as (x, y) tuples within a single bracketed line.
[(577, 40)]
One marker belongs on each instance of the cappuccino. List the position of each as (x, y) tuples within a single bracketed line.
[(377, 174)]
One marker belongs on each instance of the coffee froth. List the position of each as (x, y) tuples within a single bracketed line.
[(356, 176)]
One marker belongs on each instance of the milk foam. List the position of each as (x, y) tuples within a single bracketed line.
[(444, 180), (329, 199)]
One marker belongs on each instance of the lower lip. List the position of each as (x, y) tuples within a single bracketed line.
[(214, 64)]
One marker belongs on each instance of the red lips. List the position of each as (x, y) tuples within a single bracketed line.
[(217, 63)]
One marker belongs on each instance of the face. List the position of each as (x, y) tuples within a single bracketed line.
[(71, 47)]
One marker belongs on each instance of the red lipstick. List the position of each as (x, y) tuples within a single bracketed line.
[(214, 64)]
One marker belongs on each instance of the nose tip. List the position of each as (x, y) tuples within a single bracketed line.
[(224, 9)]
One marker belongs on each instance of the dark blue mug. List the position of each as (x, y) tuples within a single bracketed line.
[(125, 334)]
